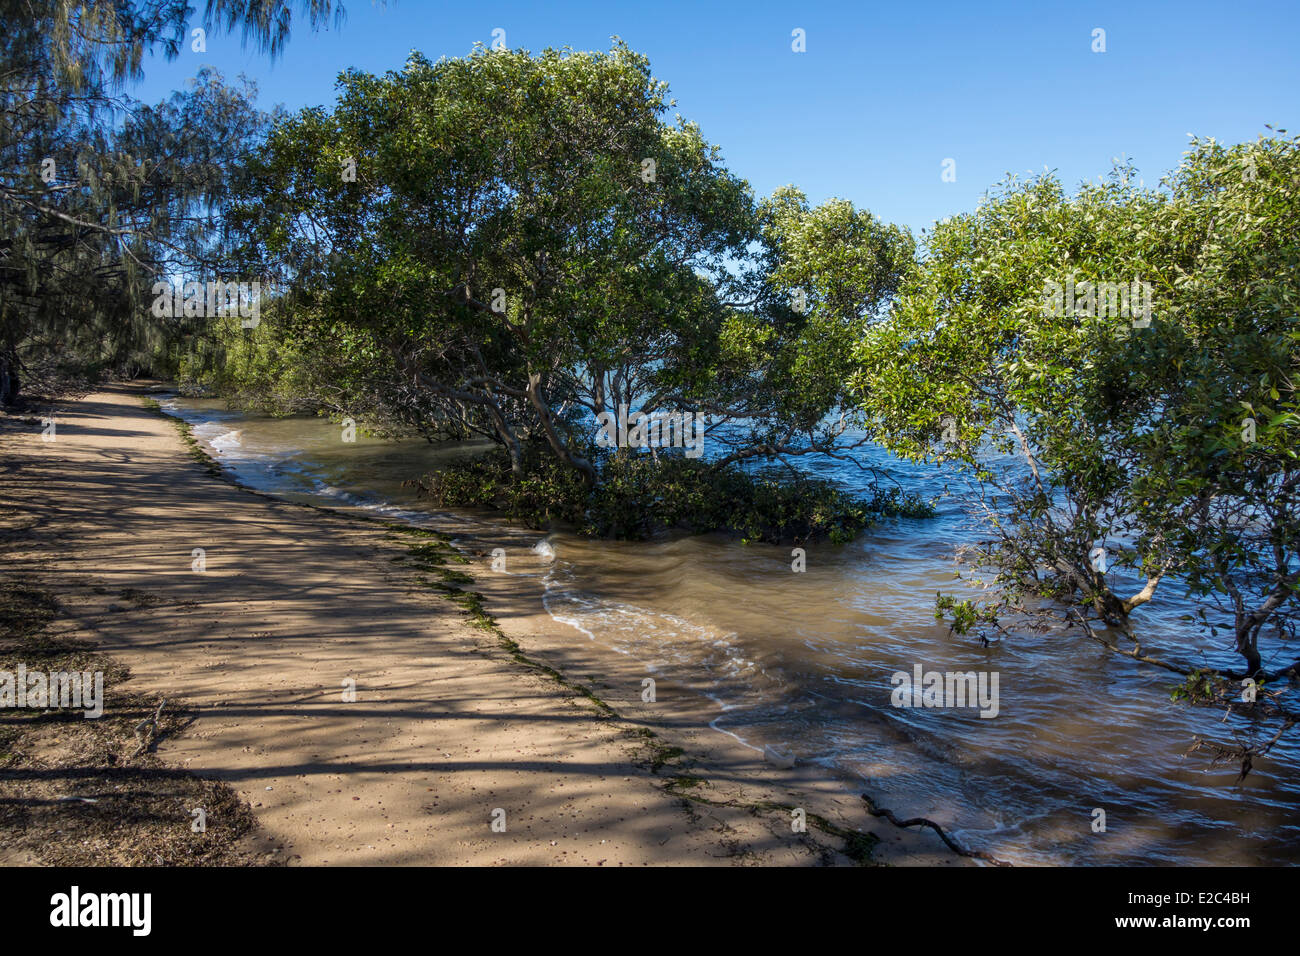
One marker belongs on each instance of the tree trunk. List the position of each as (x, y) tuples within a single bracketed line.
[(1248, 646), (9, 380), (1249, 625), (509, 438), (577, 462)]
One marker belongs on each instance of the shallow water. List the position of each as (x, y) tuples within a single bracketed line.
[(803, 661)]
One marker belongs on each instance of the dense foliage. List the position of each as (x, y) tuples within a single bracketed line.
[(1115, 451), (638, 497), (513, 245), (100, 195)]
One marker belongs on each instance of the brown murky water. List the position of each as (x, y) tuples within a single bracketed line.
[(804, 661)]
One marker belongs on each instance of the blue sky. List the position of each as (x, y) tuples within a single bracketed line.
[(883, 94)]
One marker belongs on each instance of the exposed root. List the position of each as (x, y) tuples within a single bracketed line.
[(953, 845), (1246, 753), (1136, 653)]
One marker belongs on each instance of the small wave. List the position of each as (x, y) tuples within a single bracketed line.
[(663, 642), (353, 500)]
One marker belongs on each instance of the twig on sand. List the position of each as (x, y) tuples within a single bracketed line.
[(146, 735)]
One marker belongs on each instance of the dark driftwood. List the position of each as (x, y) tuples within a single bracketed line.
[(923, 822)]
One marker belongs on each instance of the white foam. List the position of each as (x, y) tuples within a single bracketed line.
[(228, 440)]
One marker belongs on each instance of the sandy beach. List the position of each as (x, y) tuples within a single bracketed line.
[(447, 727)]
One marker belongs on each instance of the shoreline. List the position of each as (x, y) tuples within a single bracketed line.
[(629, 785)]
